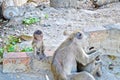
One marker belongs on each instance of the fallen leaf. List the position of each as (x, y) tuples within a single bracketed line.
[(112, 57), (25, 37)]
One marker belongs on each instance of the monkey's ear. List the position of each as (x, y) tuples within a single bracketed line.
[(79, 35), (66, 33)]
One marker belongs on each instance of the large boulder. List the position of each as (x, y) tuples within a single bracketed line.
[(105, 37)]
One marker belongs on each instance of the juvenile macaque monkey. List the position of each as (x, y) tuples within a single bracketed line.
[(94, 67), (68, 55), (38, 45), (97, 65)]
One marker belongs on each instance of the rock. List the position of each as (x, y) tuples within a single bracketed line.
[(111, 66), (19, 2), (16, 62), (105, 37), (103, 2), (63, 3), (1, 2)]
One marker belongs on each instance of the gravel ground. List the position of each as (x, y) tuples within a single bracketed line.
[(58, 22)]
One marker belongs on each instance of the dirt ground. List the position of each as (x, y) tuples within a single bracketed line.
[(58, 22)]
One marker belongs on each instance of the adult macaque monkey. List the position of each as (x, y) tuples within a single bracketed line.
[(38, 45), (66, 57)]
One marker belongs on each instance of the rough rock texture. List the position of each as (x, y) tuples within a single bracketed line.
[(86, 4), (103, 2), (19, 2), (78, 4), (106, 38), (9, 10), (16, 62), (53, 27)]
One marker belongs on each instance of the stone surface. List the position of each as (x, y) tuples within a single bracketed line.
[(58, 21), (105, 37), (20, 2), (102, 2), (16, 62)]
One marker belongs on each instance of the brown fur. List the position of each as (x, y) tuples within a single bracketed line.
[(38, 45), (94, 67), (64, 63), (95, 5)]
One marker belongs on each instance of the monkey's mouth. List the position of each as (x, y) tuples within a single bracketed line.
[(80, 37)]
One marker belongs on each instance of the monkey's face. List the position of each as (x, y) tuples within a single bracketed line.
[(39, 37), (79, 37)]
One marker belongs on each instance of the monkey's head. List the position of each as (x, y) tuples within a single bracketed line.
[(77, 37), (38, 35)]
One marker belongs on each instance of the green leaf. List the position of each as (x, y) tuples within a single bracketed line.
[(13, 40), (46, 16), (1, 52), (29, 21), (28, 49), (11, 48)]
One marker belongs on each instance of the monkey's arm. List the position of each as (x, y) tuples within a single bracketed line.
[(34, 48), (43, 47), (83, 58)]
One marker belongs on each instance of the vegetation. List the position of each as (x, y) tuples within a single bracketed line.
[(11, 46), (1, 52), (46, 16), (29, 21)]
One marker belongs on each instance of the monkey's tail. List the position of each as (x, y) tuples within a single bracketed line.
[(47, 78)]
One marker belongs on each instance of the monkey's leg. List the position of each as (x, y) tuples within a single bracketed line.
[(35, 52), (81, 76), (99, 71)]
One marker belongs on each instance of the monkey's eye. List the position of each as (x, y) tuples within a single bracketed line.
[(79, 35)]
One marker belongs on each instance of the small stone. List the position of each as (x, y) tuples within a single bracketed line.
[(1, 40), (18, 76), (111, 66)]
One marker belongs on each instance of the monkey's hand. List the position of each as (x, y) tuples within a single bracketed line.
[(97, 58)]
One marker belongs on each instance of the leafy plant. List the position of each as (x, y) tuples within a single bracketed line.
[(1, 52), (28, 49), (29, 21), (46, 16), (13, 40), (11, 48)]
